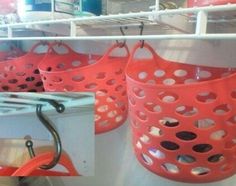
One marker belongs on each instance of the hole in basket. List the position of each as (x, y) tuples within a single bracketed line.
[(202, 148), (76, 63), (180, 73), (103, 123), (13, 81), (60, 66), (120, 104), (112, 114), (78, 78), (144, 138), (10, 68), (186, 159), (92, 61), (119, 88), (199, 171), (29, 65), (159, 73), (216, 158), (169, 145), (3, 75), (154, 131), (91, 86), (203, 74), (232, 120), (5, 88), (29, 79), (186, 135), (68, 88), (111, 99), (139, 145), (206, 97), (39, 84), (103, 108), (20, 73), (147, 160), (139, 92), (97, 117), (218, 135), (101, 75), (141, 115), (132, 100), (119, 119), (226, 167), (49, 69), (111, 82), (56, 79), (169, 81), (230, 144), (152, 107), (151, 82), (233, 94), (118, 72), (190, 81), (142, 75), (32, 90), (156, 153), (222, 109), (101, 93), (169, 122), (171, 168), (36, 71), (186, 110), (168, 97), (204, 123), (22, 86)]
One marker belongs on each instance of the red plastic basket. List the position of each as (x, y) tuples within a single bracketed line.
[(31, 168), (21, 74), (183, 118), (192, 3), (92, 73)]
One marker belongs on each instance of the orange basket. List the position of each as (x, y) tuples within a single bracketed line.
[(105, 76), (183, 118), (21, 74)]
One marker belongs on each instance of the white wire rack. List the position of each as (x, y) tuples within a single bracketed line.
[(190, 23), (23, 103)]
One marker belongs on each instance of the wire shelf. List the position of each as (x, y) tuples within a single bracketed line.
[(23, 103)]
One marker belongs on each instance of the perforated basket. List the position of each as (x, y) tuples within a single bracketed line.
[(21, 74), (91, 73), (183, 118), (192, 3)]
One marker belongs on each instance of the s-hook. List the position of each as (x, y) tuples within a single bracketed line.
[(57, 141), (141, 33), (123, 34)]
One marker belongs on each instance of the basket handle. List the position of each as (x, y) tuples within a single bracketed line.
[(115, 46), (34, 47), (43, 159), (60, 44), (146, 46)]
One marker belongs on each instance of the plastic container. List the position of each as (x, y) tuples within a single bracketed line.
[(21, 74), (192, 3), (105, 76), (183, 118)]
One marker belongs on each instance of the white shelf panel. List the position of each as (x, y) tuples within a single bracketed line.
[(187, 23), (23, 103)]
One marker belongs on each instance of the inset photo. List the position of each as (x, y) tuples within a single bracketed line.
[(47, 134)]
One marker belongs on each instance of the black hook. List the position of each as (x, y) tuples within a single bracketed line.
[(57, 141), (141, 33), (123, 34)]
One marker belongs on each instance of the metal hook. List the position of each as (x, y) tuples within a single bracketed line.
[(123, 33), (141, 33), (57, 141)]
